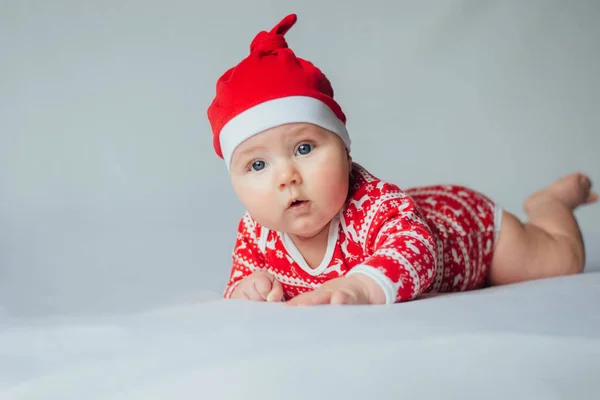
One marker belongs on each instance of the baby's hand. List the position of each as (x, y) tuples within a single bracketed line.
[(260, 286), (354, 289)]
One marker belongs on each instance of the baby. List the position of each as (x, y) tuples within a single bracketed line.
[(321, 229)]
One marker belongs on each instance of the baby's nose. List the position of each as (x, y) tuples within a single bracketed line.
[(289, 176)]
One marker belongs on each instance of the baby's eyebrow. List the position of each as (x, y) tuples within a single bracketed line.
[(241, 156), (249, 150), (302, 133)]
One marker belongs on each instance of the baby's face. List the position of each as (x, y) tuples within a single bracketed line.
[(292, 178)]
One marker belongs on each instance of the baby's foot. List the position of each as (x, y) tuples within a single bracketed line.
[(572, 191)]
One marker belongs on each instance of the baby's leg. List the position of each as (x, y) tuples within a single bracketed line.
[(550, 243)]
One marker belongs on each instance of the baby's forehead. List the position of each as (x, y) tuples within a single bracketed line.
[(292, 129), (281, 134)]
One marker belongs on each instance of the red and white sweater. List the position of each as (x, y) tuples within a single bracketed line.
[(428, 239)]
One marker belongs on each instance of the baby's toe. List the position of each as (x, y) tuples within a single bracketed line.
[(592, 198), (584, 182)]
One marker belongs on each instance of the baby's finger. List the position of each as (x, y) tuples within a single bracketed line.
[(310, 299), (240, 293), (276, 293), (339, 298), (262, 285)]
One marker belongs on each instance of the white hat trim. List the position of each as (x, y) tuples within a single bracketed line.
[(277, 112)]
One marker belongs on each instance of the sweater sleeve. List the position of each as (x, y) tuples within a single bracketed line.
[(402, 250), (247, 257)]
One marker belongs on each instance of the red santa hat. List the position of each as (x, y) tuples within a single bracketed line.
[(268, 88)]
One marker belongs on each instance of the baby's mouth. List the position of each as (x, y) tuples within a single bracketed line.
[(297, 203)]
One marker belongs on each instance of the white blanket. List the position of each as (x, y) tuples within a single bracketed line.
[(536, 340)]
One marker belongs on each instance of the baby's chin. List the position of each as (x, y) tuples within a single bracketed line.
[(300, 229), (306, 231)]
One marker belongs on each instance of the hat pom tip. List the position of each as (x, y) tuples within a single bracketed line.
[(286, 23)]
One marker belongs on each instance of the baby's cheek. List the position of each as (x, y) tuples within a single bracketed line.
[(256, 198), (264, 214), (335, 185)]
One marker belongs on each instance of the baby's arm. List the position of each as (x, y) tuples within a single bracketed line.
[(403, 252), (401, 264)]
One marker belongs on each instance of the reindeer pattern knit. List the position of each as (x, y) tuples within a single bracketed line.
[(419, 240)]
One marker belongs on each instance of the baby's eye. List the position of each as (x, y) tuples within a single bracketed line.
[(304, 149), (257, 165)]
